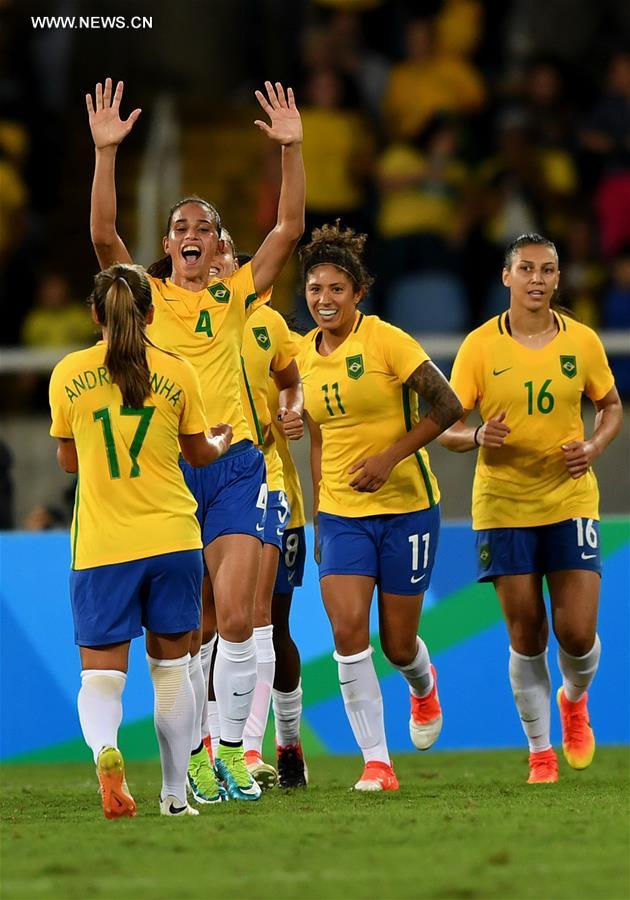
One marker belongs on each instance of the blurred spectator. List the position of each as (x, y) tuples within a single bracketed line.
[(428, 81), (337, 153), (57, 320), (459, 27), (13, 196), (544, 98), (616, 314), (422, 192), (46, 516), (583, 275)]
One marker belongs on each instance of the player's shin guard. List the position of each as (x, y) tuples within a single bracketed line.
[(418, 673), (364, 703), (578, 671), (287, 712), (100, 707), (531, 686), (200, 691), (265, 670), (174, 715), (234, 684)]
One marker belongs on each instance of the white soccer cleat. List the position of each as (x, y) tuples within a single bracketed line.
[(171, 806)]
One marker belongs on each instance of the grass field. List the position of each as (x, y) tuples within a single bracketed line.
[(463, 825)]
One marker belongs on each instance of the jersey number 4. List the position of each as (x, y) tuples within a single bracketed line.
[(102, 415)]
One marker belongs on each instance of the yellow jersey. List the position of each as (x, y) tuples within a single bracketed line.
[(206, 327), (292, 486), (360, 401), (267, 347), (525, 482), (131, 499)]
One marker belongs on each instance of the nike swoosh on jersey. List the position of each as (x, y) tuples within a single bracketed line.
[(415, 580), (589, 555), (501, 371)]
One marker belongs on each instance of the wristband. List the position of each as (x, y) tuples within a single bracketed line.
[(477, 429)]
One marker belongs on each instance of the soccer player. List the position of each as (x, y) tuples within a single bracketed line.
[(376, 499), (535, 497), (121, 410), (204, 322)]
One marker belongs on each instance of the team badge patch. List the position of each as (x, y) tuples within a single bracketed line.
[(354, 366), (262, 337), (485, 557), (219, 292), (568, 366)]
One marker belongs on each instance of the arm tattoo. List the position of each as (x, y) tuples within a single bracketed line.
[(432, 386)]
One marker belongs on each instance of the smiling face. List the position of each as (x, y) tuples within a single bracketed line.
[(332, 298), (532, 277), (192, 242)]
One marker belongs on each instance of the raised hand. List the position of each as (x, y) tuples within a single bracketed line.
[(286, 124), (108, 129), (493, 432)]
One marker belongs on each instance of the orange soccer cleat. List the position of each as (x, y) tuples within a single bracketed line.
[(543, 767), (377, 776), (110, 768), (425, 723), (578, 740)]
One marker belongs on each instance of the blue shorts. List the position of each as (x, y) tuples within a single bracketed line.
[(397, 550), (572, 544), (231, 493), (111, 604), (278, 515), (291, 563)]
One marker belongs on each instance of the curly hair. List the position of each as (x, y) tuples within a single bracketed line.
[(342, 248)]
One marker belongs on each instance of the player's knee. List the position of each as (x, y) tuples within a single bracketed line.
[(349, 640), (236, 626), (528, 636), (399, 652), (576, 642)]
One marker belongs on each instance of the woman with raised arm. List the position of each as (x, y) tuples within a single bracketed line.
[(535, 497), (121, 412), (376, 499), (203, 320)]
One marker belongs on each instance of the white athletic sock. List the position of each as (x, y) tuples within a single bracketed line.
[(174, 716), (364, 703), (265, 672), (205, 653), (287, 711), (100, 707), (214, 725), (578, 671), (200, 691), (531, 686), (418, 672), (234, 684)]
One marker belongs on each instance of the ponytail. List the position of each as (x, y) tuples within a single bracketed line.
[(162, 268), (122, 300)]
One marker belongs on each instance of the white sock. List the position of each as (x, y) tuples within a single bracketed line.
[(205, 653), (214, 726), (234, 684), (100, 707), (578, 671), (265, 672), (287, 711), (363, 701), (174, 716), (200, 691), (531, 686), (418, 672)]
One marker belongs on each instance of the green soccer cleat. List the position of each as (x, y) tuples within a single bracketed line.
[(231, 769), (202, 781)]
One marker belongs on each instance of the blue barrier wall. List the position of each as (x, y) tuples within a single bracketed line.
[(461, 623)]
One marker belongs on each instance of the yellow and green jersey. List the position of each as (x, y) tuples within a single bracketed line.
[(525, 482), (360, 401), (131, 499), (206, 327), (267, 347)]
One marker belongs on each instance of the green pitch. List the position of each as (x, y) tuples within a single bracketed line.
[(463, 825)]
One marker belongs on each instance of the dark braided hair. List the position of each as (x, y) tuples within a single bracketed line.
[(338, 247), (163, 268)]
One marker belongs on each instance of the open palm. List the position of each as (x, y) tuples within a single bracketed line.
[(286, 124), (107, 128)]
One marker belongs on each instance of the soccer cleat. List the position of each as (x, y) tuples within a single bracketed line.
[(292, 771), (110, 768), (578, 740), (543, 767), (425, 723), (171, 806), (377, 776), (202, 781), (265, 775), (232, 771)]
